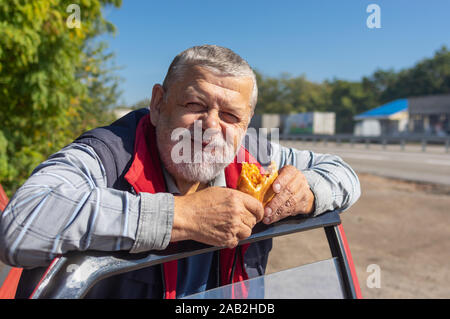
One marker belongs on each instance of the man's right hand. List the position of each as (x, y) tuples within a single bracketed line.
[(216, 216)]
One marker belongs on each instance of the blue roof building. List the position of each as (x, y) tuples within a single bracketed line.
[(388, 119), (428, 114), (385, 111)]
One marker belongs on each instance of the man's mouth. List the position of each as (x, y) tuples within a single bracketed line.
[(202, 143)]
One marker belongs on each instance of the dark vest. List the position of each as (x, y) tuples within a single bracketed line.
[(114, 144)]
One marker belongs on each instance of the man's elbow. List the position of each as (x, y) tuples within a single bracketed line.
[(21, 256), (5, 249), (20, 252)]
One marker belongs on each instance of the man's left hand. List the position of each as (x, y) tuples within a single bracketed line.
[(292, 196)]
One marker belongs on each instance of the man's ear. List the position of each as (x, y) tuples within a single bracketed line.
[(156, 103)]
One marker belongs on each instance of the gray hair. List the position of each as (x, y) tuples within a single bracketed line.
[(216, 59)]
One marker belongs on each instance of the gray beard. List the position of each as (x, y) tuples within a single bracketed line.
[(195, 172), (205, 171)]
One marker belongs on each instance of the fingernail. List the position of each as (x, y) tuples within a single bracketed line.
[(266, 220), (268, 211), (276, 187)]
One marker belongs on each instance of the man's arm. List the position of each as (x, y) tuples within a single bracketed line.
[(332, 181), (65, 205)]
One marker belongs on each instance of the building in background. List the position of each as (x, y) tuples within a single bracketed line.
[(322, 123), (388, 119), (300, 123), (430, 115), (415, 115), (269, 121)]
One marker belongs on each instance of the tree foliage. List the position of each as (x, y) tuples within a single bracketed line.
[(55, 81), (429, 76), (287, 94)]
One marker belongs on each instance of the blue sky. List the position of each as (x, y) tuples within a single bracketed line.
[(322, 39)]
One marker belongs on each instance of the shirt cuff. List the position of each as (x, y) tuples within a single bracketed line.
[(323, 195), (155, 222)]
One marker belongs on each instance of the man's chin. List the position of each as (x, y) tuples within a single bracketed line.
[(196, 172)]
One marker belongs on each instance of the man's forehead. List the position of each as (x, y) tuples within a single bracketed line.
[(201, 80)]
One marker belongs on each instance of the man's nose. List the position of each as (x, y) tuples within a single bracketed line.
[(212, 120)]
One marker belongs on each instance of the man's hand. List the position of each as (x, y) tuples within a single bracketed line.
[(293, 196), (216, 216)]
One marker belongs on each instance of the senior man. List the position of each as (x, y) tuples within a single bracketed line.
[(123, 187)]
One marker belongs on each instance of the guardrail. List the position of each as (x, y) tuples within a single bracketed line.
[(384, 140)]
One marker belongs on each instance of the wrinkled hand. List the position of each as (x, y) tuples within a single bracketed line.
[(216, 216), (293, 196)]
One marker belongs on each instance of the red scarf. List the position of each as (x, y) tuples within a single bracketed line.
[(145, 175)]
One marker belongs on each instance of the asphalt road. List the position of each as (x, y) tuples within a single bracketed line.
[(432, 166)]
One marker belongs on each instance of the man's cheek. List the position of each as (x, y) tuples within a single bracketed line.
[(234, 136), (182, 120)]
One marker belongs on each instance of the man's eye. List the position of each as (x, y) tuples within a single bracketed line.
[(229, 117), (195, 107)]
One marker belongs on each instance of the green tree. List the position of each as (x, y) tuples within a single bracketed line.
[(347, 99), (428, 76), (269, 95), (288, 94), (51, 77)]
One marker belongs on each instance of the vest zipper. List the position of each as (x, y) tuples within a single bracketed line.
[(236, 256), (163, 281), (217, 256)]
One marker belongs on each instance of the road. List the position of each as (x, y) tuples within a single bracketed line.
[(432, 166)]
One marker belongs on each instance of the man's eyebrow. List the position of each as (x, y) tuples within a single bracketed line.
[(203, 95), (192, 92)]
